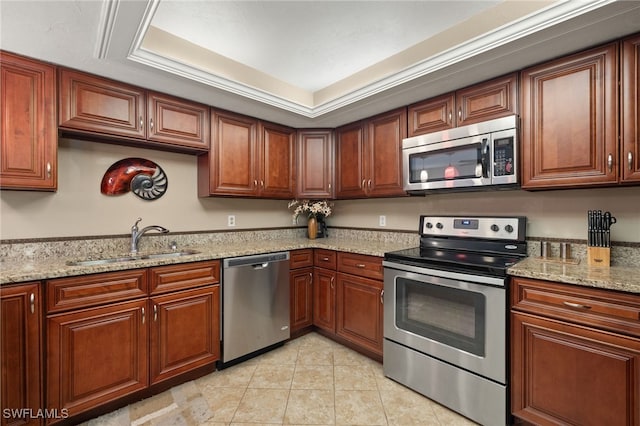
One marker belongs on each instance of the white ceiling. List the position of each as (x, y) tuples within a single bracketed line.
[(307, 63)]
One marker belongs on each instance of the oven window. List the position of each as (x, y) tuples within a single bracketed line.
[(454, 317), (462, 162)]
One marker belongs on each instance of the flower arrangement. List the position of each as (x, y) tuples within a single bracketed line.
[(312, 208)]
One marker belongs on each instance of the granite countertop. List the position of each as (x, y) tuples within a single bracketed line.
[(620, 278), (33, 269)]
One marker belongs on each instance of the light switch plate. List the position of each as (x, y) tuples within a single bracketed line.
[(383, 220), (231, 220)]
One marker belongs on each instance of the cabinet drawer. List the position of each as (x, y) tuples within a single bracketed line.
[(604, 309), (324, 258), (300, 258), (360, 264), (95, 289), (183, 276)]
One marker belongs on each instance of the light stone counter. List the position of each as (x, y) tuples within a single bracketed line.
[(620, 278)]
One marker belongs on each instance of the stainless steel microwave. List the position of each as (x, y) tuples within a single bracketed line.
[(477, 156)]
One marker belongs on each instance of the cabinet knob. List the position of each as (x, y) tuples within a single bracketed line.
[(32, 303), (151, 123), (141, 122), (610, 162), (630, 160), (49, 168)]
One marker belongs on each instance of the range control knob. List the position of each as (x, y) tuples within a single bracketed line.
[(439, 225), (495, 228), (508, 228)]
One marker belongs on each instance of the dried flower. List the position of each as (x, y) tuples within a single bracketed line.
[(313, 208)]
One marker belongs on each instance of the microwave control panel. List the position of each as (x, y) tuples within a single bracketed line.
[(503, 156)]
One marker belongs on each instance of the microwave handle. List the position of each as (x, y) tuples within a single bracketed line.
[(486, 158)]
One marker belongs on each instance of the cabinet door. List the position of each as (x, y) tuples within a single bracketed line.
[(315, 166), (21, 382), (230, 166), (359, 311), (97, 355), (630, 114), (432, 115), (301, 306), (384, 154), (324, 296), (569, 121), (487, 101), (185, 331), (177, 122), (350, 172), (566, 374), (97, 105), (277, 164), (28, 132)]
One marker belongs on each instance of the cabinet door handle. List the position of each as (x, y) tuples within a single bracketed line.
[(261, 183), (151, 123), (364, 181), (143, 315), (576, 305), (332, 285), (369, 184), (460, 113), (255, 183), (155, 313), (630, 160), (49, 168), (32, 303), (382, 296), (325, 259), (450, 116), (360, 265), (310, 278), (141, 122), (329, 186), (610, 162)]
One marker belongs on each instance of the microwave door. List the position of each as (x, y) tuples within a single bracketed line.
[(454, 164)]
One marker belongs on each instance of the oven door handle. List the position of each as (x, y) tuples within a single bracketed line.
[(460, 276)]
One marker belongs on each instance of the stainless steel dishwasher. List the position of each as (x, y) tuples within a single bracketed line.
[(255, 305)]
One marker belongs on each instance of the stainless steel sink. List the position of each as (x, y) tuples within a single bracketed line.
[(95, 262)]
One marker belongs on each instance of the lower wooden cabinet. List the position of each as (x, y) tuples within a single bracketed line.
[(324, 299), (20, 353), (301, 291), (569, 364)]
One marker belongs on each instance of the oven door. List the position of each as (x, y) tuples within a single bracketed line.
[(458, 163), (454, 317)]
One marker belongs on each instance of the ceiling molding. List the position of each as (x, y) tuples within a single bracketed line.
[(105, 29)]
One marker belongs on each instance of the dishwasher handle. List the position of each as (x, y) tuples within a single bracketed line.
[(258, 261)]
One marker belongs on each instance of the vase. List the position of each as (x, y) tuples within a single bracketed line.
[(312, 228)]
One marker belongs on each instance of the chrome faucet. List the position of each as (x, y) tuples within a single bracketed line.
[(136, 235)]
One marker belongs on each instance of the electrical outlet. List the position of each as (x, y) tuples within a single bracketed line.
[(231, 220), (383, 220)]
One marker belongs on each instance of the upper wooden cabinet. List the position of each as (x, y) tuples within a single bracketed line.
[(569, 121), (28, 133), (484, 101), (630, 114), (248, 158), (369, 156), (315, 165), (109, 109)]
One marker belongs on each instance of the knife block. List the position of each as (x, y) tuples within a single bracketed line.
[(599, 256)]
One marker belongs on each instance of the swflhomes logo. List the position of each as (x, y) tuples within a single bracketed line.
[(30, 413)]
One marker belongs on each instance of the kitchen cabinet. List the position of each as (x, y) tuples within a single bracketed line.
[(28, 133), (368, 156), (248, 158), (185, 318), (115, 334), (575, 354), (301, 290), (630, 113), (569, 121), (315, 165), (359, 300), (324, 290), (484, 101), (111, 110), (20, 351)]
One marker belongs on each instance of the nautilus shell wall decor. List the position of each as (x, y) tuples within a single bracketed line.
[(143, 177)]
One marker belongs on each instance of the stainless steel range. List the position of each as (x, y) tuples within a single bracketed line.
[(445, 312)]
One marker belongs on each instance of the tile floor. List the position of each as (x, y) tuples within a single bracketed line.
[(308, 381)]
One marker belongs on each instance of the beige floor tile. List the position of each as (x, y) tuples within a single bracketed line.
[(262, 406), (149, 406), (271, 376), (223, 402), (313, 377), (310, 407), (405, 407), (446, 417), (354, 377), (287, 354), (315, 355), (238, 375), (359, 408)]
